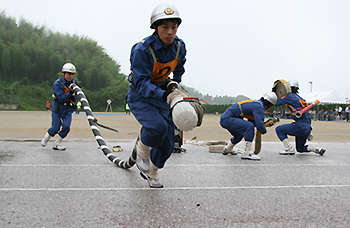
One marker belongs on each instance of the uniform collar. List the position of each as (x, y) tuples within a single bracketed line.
[(64, 80), (158, 44)]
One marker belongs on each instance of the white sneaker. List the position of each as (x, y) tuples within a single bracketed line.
[(153, 183), (142, 164), (291, 151), (57, 147), (225, 151), (320, 151), (44, 142), (250, 157)]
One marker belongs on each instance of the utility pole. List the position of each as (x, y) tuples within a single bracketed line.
[(310, 86)]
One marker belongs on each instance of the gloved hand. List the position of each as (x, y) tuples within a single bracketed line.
[(71, 91), (166, 94), (172, 85), (168, 97), (269, 122)]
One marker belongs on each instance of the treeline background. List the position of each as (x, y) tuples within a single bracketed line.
[(31, 58)]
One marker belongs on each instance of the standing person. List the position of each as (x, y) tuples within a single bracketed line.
[(300, 128), (48, 105), (77, 111), (127, 109), (152, 60), (62, 108), (340, 112), (254, 112), (347, 113)]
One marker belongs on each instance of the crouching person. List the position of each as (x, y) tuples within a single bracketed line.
[(242, 118)]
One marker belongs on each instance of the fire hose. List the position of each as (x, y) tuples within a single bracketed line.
[(93, 124)]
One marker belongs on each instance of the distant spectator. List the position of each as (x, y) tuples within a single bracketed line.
[(346, 113), (127, 109), (48, 106), (77, 111), (321, 115), (313, 114), (336, 109), (330, 115), (340, 112)]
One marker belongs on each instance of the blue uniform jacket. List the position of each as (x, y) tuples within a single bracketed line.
[(61, 103), (296, 102), (254, 109), (141, 60)]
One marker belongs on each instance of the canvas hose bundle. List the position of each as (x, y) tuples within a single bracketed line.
[(187, 112), (281, 87)]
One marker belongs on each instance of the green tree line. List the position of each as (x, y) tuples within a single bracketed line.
[(31, 58), (217, 100)]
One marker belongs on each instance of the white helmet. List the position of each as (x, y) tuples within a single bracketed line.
[(164, 11), (68, 67), (271, 97), (293, 83)]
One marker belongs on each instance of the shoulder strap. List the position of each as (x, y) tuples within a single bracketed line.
[(177, 52), (63, 84), (152, 53), (240, 107), (178, 49)]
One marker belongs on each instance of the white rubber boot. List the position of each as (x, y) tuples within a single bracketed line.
[(288, 148), (46, 138), (153, 180), (249, 153), (58, 144), (319, 151), (228, 149), (143, 156)]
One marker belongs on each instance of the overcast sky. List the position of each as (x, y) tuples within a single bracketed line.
[(233, 46)]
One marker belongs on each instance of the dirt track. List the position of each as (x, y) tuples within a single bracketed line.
[(24, 125)]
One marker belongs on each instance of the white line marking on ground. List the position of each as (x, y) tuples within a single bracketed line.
[(173, 188), (185, 165)]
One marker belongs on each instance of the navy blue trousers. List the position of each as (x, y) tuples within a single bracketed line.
[(238, 128), (300, 130), (158, 130), (63, 120)]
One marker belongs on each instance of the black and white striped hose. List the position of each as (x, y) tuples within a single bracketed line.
[(93, 124)]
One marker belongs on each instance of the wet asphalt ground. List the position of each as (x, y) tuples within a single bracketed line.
[(80, 187)]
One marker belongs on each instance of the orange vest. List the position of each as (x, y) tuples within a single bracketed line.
[(292, 110), (161, 71)]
